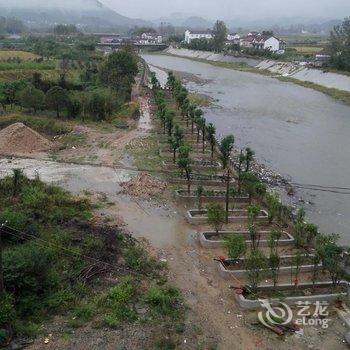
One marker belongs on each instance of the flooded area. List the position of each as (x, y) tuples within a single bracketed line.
[(300, 133), (73, 177)]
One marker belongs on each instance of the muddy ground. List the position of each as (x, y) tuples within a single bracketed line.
[(213, 320)]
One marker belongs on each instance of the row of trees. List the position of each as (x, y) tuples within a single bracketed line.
[(259, 266)]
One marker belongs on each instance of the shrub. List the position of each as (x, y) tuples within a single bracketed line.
[(27, 275), (163, 299), (7, 311), (216, 216), (85, 312), (236, 246)]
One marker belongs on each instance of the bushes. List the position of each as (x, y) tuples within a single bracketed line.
[(163, 299), (27, 276)]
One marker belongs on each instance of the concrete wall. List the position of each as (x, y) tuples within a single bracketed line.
[(207, 243), (193, 220)]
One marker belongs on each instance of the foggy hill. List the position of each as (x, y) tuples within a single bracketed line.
[(36, 13)]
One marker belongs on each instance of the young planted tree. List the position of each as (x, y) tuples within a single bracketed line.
[(295, 268), (252, 185), (226, 147), (184, 163), (199, 194), (169, 121), (197, 114), (299, 229), (211, 137), (253, 212), (273, 206), (16, 181), (316, 260), (56, 99), (241, 159), (331, 256), (249, 157), (176, 140), (216, 216), (274, 265), (236, 246), (202, 127), (256, 265)]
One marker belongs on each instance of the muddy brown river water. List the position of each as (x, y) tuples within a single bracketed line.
[(300, 133)]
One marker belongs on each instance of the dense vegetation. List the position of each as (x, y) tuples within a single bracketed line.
[(91, 87), (55, 259), (340, 43)]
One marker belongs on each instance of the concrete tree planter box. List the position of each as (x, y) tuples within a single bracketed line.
[(194, 182), (227, 273), (195, 165), (205, 238), (183, 197), (199, 217), (254, 304)]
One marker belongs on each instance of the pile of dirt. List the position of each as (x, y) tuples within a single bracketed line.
[(144, 185), (18, 138)]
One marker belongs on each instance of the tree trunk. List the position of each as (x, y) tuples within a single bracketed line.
[(174, 155), (58, 113), (227, 194), (212, 152)]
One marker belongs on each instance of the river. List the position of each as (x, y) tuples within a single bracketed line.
[(300, 133)]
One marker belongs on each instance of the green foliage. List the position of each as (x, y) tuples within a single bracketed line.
[(216, 216), (255, 264), (340, 43), (118, 71), (137, 259), (220, 35), (163, 299), (30, 97), (56, 99), (273, 205), (118, 303), (7, 311), (235, 245), (226, 147)]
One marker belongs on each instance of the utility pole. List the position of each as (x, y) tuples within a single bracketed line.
[(2, 288)]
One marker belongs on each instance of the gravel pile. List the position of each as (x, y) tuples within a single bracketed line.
[(18, 138)]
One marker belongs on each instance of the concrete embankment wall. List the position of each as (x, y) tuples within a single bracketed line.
[(288, 69)]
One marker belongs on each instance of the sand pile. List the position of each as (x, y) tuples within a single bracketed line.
[(144, 185), (18, 138)]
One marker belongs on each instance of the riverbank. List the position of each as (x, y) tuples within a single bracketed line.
[(333, 84)]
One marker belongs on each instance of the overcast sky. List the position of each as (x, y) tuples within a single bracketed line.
[(227, 9)]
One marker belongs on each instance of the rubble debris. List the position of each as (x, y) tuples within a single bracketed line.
[(144, 186)]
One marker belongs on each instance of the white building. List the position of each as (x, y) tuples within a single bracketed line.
[(198, 34), (267, 42), (150, 38)]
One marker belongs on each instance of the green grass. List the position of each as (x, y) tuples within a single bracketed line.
[(25, 65), (145, 152), (340, 95), (41, 124)]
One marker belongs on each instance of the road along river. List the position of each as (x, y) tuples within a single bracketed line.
[(301, 133)]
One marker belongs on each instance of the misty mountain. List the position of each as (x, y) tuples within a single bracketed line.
[(185, 20), (80, 12)]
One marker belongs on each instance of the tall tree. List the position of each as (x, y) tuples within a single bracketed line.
[(340, 44), (57, 99), (220, 35)]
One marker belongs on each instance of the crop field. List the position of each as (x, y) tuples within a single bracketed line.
[(6, 54), (306, 50)]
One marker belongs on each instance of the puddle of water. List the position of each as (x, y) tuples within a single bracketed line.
[(72, 177)]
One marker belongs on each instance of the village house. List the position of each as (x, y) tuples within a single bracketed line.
[(233, 38), (150, 38), (263, 42), (198, 34)]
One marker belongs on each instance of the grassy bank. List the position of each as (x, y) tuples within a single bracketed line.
[(339, 95), (241, 66), (57, 260)]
